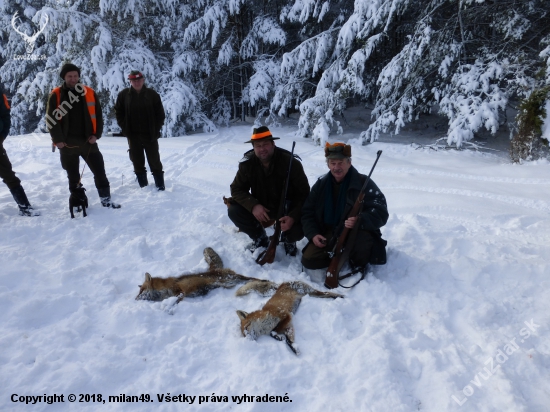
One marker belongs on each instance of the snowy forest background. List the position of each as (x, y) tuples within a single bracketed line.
[(215, 61)]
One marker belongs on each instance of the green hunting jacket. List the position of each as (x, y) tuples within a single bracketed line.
[(254, 185), (151, 105)]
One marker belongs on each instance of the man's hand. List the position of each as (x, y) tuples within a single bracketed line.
[(260, 213), (92, 139), (350, 222), (320, 241), (60, 145), (286, 223)]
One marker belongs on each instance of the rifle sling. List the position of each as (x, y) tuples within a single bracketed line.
[(349, 275), (345, 254)]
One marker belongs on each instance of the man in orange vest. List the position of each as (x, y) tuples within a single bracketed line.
[(6, 172), (75, 123)]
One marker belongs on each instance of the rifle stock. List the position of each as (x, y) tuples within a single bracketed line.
[(268, 255), (336, 263)]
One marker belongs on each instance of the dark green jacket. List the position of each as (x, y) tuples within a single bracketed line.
[(5, 119), (374, 215), (253, 185), (60, 130), (153, 108)]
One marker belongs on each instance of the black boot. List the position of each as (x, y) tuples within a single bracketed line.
[(262, 241), (142, 179), (159, 180), (105, 196), (25, 208), (290, 248)]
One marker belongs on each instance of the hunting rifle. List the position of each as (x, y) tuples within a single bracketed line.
[(268, 255), (336, 263)]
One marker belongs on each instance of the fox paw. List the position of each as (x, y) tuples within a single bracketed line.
[(293, 347), (275, 335)]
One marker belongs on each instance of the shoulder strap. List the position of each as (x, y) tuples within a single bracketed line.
[(6, 103)]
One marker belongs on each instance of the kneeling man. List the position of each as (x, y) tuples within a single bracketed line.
[(325, 211), (257, 192)]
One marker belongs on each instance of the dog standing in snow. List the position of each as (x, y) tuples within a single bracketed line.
[(79, 200)]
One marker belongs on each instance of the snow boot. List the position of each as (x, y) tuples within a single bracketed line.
[(105, 197), (142, 179), (290, 248), (159, 180), (25, 208), (262, 241)]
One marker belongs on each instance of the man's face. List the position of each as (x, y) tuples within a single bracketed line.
[(339, 168), (264, 149), (71, 79), (137, 84)]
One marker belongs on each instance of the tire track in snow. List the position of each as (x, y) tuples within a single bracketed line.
[(516, 227), (513, 180), (540, 205), (198, 150), (193, 155)]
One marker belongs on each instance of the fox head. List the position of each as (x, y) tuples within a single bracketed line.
[(153, 289), (257, 323)]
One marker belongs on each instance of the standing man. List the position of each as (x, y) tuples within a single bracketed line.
[(75, 123), (257, 192), (140, 115), (331, 198), (6, 172)]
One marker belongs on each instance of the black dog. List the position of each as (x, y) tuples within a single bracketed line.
[(79, 200)]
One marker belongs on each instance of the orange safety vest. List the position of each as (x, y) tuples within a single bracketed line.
[(6, 102), (90, 103)]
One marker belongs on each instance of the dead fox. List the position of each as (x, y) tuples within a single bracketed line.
[(192, 285), (275, 318)]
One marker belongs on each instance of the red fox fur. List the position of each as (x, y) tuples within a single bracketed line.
[(275, 318), (192, 285)]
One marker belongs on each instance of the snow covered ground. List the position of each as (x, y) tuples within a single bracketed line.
[(458, 320)]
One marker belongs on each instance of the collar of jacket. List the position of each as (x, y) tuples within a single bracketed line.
[(66, 88), (354, 183), (134, 92), (250, 155)]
